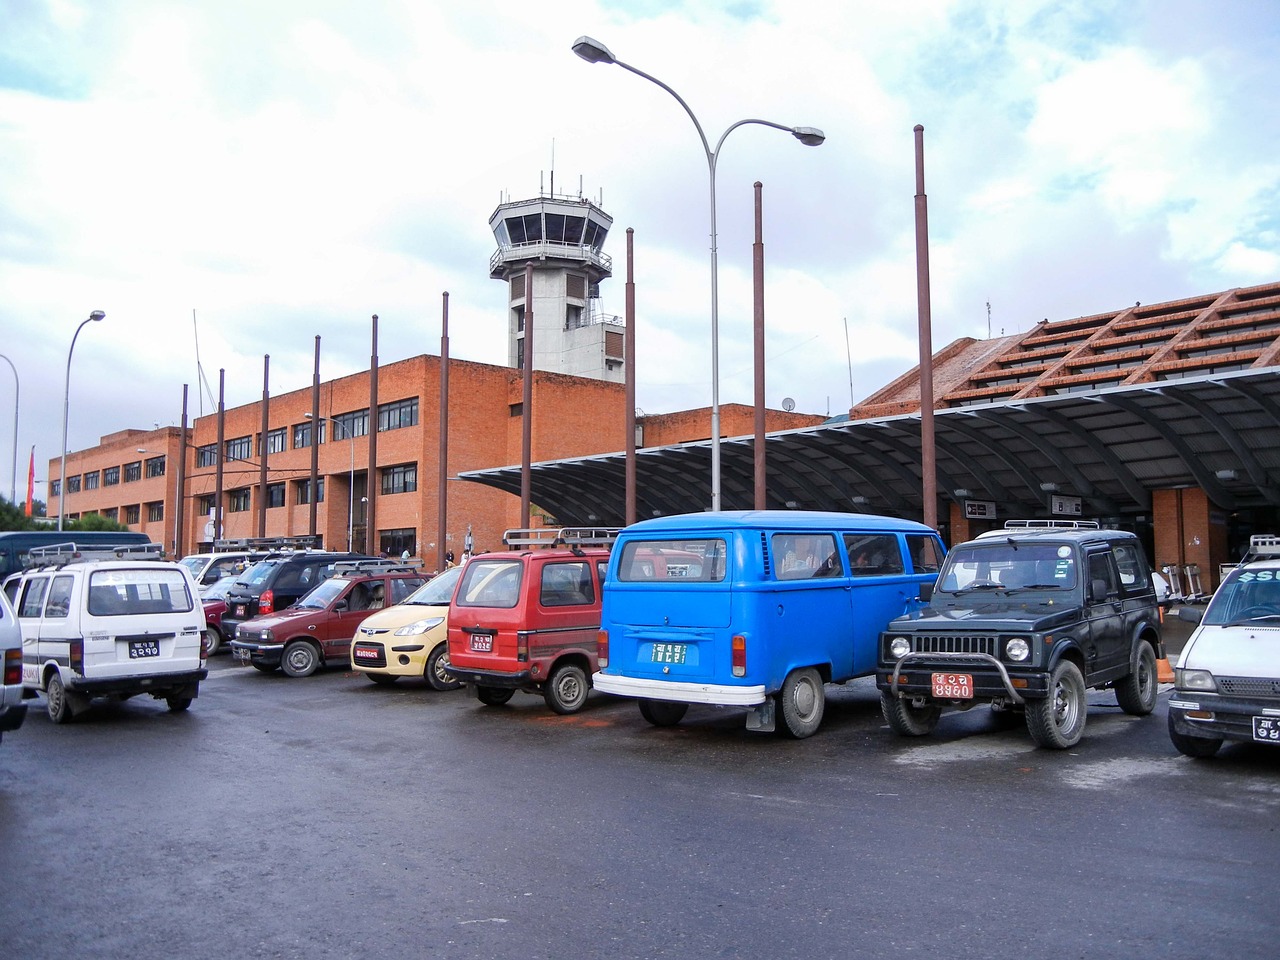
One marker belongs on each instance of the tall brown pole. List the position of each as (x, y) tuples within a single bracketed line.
[(180, 501), (526, 427), (220, 454), (629, 354), (315, 441), (371, 474), (262, 458), (442, 490), (928, 456), (757, 270)]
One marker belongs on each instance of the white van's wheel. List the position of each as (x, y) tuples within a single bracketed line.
[(663, 713), (802, 699), (55, 695), (300, 659), (212, 641)]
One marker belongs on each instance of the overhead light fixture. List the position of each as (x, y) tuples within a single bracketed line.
[(1049, 487), (1226, 474), (858, 500), (962, 493)]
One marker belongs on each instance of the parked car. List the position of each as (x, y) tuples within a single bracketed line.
[(279, 582), (410, 639), (527, 620), (111, 628), (233, 557), (1227, 681), (755, 609), (214, 599), (12, 708), (319, 627), (1027, 619)]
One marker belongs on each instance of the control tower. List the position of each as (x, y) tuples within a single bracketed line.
[(562, 237)]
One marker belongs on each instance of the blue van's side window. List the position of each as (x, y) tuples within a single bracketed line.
[(873, 554), (803, 556), (926, 557)]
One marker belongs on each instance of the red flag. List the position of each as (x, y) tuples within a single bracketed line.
[(31, 481)]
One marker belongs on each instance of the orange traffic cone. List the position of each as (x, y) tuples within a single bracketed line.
[(1164, 672)]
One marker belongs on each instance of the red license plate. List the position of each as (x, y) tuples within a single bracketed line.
[(482, 642), (953, 686)]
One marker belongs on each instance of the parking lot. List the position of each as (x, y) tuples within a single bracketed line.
[(327, 817)]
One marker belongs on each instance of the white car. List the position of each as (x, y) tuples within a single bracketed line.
[(1227, 681), (12, 710)]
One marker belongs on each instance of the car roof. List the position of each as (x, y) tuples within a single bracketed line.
[(823, 520), (1021, 534)]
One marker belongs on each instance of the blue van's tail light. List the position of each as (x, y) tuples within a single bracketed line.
[(738, 659), (76, 656), (602, 648)]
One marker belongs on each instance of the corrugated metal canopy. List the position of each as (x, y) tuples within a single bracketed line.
[(1110, 447)]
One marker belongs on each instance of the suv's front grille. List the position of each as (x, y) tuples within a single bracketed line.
[(954, 643), (1249, 687)]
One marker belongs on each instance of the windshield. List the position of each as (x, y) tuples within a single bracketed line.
[(194, 564), (324, 594), (218, 590), (1005, 565), (257, 575), (1250, 596), (438, 591)]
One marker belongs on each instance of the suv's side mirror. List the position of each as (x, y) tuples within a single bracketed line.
[(1190, 614), (1098, 590), (926, 591)]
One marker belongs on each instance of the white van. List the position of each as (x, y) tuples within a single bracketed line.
[(118, 627)]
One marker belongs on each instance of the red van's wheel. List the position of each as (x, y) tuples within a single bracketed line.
[(567, 688)]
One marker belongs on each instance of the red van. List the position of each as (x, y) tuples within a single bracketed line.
[(527, 619)]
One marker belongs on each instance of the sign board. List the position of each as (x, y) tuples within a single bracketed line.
[(1065, 506), (979, 510)]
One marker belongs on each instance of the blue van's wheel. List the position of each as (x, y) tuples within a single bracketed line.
[(663, 713), (802, 699)]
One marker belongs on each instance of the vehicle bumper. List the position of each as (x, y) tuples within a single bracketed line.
[(1227, 719), (680, 690), (184, 684), (488, 678), (389, 662), (912, 676), (11, 717), (264, 653)]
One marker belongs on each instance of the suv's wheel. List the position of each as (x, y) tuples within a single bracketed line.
[(906, 719), (494, 696), (1188, 746), (434, 673), (300, 659), (567, 688), (802, 700), (1057, 721), (56, 701), (1136, 693), (663, 713), (212, 641)]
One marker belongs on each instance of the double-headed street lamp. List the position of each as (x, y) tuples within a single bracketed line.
[(593, 51), (66, 401), (351, 483)]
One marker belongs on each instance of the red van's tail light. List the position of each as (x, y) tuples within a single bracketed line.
[(738, 660), (602, 648), (13, 667), (77, 656), (266, 602), (522, 646)]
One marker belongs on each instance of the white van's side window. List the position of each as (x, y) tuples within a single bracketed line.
[(59, 602), (873, 554), (33, 597)]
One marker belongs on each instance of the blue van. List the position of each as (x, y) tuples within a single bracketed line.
[(16, 545), (755, 609)]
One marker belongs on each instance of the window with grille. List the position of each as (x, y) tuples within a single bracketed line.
[(91, 480), (303, 487), (110, 476), (206, 456), (155, 511), (155, 467), (402, 479), (132, 512), (239, 448), (402, 413), (238, 500)]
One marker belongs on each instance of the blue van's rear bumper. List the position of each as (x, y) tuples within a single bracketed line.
[(681, 691)]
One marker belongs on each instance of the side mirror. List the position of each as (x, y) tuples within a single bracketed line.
[(1098, 590), (340, 606), (926, 591), (1190, 614)]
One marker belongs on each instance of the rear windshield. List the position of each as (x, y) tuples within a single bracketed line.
[(644, 561), (115, 593), (490, 583), (257, 575)]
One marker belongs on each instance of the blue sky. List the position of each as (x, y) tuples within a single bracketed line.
[(287, 169)]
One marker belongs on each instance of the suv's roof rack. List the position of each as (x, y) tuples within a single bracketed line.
[(1051, 524), (373, 566), (560, 536), (1262, 546), (60, 554), (268, 543)]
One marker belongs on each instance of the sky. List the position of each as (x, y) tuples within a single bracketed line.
[(228, 179)]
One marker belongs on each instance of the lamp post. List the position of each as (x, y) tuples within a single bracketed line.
[(13, 494), (66, 402), (593, 51), (351, 483)]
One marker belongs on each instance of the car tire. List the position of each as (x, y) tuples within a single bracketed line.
[(566, 689), (434, 672), (1006, 717), (906, 719), (1137, 692), (212, 641), (663, 713), (383, 679), (263, 667), (57, 700), (300, 659), (178, 704), (494, 696), (802, 700), (1199, 747), (1057, 721)]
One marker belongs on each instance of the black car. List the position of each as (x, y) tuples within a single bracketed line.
[(279, 582), (1027, 619)]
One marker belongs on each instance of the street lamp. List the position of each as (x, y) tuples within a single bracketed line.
[(593, 51), (66, 400), (351, 483), (13, 494)]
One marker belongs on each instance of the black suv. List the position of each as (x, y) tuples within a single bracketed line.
[(1027, 619), (279, 582)]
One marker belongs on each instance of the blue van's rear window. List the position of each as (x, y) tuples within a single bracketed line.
[(645, 561)]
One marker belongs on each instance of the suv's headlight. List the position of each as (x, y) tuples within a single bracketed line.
[(1017, 649), (899, 647), (419, 627), (1195, 680)]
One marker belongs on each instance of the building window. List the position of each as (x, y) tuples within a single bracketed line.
[(110, 476), (155, 511), (238, 500), (205, 504), (275, 441), (395, 543), (304, 490), (516, 410), (275, 495), (155, 467), (91, 480), (352, 425), (206, 456), (572, 317), (55, 488), (73, 484), (520, 354), (400, 479), (238, 449), (302, 434), (133, 471), (402, 413), (131, 513), (518, 314), (111, 513)]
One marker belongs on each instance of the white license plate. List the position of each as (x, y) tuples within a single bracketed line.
[(953, 686), (1266, 729), (366, 653), (239, 609), (482, 642), (143, 648), (241, 654), (668, 653)]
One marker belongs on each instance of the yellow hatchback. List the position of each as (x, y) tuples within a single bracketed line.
[(410, 639)]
